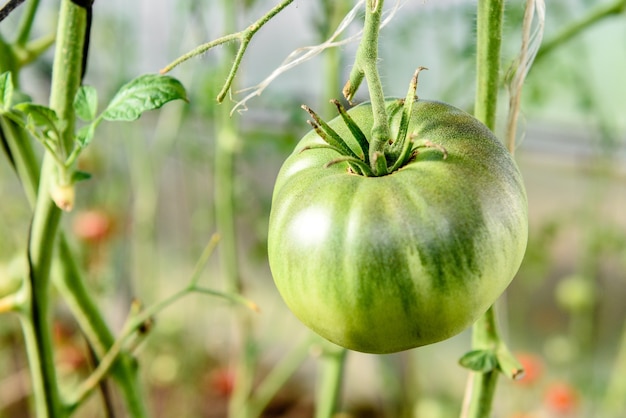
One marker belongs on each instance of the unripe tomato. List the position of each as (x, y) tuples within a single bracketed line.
[(384, 264)]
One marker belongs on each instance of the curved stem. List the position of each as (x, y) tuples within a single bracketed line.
[(244, 37), (571, 31), (78, 299)]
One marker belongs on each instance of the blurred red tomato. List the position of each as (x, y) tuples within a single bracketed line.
[(92, 225), (561, 397)]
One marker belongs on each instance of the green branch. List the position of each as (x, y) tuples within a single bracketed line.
[(244, 37), (576, 28)]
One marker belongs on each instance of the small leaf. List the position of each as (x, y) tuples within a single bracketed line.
[(41, 121), (40, 115), (85, 135), (86, 103), (479, 361), (6, 90), (146, 92), (78, 175)]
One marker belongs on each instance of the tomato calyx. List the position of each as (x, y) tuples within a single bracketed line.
[(397, 152)]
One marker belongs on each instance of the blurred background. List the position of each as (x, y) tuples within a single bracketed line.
[(142, 221)]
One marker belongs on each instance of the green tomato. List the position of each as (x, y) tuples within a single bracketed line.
[(384, 264)]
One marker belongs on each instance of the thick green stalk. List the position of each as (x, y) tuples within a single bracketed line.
[(481, 390), (488, 40), (42, 240), (368, 56), (65, 82)]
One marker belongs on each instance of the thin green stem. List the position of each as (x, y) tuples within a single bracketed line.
[(481, 386), (336, 10), (576, 28), (23, 157), (225, 153), (106, 362), (26, 24), (331, 366), (277, 377), (80, 302), (614, 400), (244, 37), (34, 49)]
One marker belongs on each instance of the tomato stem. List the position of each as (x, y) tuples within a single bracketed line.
[(244, 37), (482, 385), (66, 77), (366, 65)]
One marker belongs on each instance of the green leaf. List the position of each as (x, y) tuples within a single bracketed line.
[(6, 90), (86, 103), (85, 135), (78, 175), (146, 92), (38, 116), (479, 361)]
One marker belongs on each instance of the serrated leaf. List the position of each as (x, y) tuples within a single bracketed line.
[(86, 103), (479, 361), (85, 135), (78, 175), (146, 92), (6, 90)]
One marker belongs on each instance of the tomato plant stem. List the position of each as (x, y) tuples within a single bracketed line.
[(488, 40), (244, 37), (577, 27), (225, 155), (481, 389), (26, 23), (482, 385), (366, 65), (71, 285), (329, 385), (615, 396), (65, 81)]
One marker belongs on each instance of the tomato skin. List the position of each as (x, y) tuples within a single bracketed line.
[(385, 264)]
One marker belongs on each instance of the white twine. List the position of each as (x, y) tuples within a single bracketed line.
[(304, 54)]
